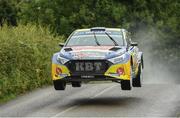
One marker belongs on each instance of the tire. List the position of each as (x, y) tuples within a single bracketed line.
[(76, 84), (137, 80), (126, 85), (59, 85)]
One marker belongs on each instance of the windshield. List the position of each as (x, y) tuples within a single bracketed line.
[(95, 39)]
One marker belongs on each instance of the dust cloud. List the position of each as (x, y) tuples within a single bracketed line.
[(156, 71)]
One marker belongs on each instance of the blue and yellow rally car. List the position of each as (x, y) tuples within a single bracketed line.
[(98, 54)]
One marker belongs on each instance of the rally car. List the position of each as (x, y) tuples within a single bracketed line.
[(98, 54)]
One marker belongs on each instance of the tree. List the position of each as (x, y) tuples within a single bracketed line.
[(8, 12)]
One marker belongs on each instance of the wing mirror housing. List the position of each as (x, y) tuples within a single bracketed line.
[(134, 44), (61, 45)]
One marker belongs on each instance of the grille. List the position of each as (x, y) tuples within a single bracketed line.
[(88, 67)]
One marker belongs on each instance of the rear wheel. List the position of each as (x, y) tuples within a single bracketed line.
[(76, 84), (126, 85), (137, 80), (59, 84)]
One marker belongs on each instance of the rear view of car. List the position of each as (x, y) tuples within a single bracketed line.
[(98, 54)]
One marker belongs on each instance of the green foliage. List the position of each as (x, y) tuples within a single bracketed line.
[(65, 16), (25, 58), (8, 12)]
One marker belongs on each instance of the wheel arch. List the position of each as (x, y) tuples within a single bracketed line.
[(131, 61), (141, 59)]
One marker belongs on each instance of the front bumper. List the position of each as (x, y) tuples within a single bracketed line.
[(110, 74)]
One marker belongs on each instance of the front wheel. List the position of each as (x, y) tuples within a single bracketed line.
[(59, 84), (126, 85)]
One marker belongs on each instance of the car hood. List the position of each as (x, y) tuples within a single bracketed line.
[(91, 52)]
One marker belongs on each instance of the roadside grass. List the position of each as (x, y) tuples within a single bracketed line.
[(25, 59)]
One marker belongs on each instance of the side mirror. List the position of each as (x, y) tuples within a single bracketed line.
[(134, 44), (61, 44)]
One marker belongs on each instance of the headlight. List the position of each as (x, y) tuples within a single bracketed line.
[(62, 60), (118, 59)]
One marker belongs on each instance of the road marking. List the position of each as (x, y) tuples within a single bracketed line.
[(75, 106)]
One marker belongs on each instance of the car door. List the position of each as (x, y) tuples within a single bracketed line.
[(133, 50)]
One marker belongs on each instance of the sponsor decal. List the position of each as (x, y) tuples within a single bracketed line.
[(89, 54), (92, 48), (88, 66)]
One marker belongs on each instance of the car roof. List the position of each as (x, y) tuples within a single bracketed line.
[(89, 29)]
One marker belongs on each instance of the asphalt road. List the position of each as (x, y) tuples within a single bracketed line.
[(97, 100)]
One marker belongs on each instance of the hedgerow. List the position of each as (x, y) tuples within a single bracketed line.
[(25, 58)]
